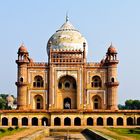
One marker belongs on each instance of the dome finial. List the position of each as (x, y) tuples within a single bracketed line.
[(111, 44), (67, 17)]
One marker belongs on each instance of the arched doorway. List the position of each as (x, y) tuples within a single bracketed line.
[(120, 121), (89, 121), (25, 121), (38, 102), (15, 121), (110, 121), (77, 121), (96, 102), (67, 88), (67, 121), (34, 121), (129, 121), (138, 121), (67, 103), (4, 121), (44, 121), (57, 121), (99, 121)]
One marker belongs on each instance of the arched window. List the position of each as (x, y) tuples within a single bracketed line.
[(67, 103), (44, 121), (109, 121), (67, 84), (34, 121), (129, 121), (112, 80), (77, 121), (15, 121), (99, 121), (57, 121), (119, 121), (96, 102), (38, 102), (24, 121), (38, 81), (4, 121), (89, 121), (21, 79), (138, 121), (67, 121), (96, 82), (74, 85), (59, 85)]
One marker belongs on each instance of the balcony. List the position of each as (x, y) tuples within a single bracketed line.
[(112, 84)]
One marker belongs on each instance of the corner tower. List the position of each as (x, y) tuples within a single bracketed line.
[(22, 83), (112, 83)]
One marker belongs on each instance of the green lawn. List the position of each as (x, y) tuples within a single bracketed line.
[(130, 132), (9, 131)]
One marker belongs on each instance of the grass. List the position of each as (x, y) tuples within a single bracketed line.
[(129, 132), (9, 131)]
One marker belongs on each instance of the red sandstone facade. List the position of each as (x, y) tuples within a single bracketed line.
[(68, 90)]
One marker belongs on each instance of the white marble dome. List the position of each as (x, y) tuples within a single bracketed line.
[(67, 38)]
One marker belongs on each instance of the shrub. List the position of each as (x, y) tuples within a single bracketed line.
[(2, 130), (131, 131), (16, 127), (10, 129)]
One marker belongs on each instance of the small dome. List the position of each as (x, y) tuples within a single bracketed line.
[(67, 38), (111, 49), (9, 98), (22, 49)]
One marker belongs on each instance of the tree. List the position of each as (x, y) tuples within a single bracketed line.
[(2, 103), (130, 105)]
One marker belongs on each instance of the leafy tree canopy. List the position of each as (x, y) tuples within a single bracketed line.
[(130, 105)]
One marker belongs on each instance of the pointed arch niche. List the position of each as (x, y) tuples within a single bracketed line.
[(96, 102), (67, 90)]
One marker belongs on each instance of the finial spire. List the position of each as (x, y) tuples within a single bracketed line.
[(67, 17)]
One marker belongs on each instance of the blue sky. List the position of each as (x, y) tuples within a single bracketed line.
[(101, 22)]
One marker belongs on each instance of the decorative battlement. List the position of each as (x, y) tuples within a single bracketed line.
[(38, 64), (92, 64)]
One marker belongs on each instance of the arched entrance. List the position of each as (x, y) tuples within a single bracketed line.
[(38, 102), (67, 103), (4, 121), (129, 121), (44, 121), (77, 121), (89, 121), (96, 102), (109, 121), (67, 121), (99, 121), (119, 121), (24, 121), (57, 121), (34, 121), (15, 121), (138, 121), (67, 89)]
